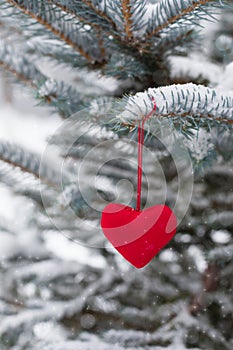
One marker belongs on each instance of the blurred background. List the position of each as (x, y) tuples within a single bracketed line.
[(57, 294)]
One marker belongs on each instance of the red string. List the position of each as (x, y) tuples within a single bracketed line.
[(140, 150), (140, 154)]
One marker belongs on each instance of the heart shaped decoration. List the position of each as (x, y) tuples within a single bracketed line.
[(138, 235)]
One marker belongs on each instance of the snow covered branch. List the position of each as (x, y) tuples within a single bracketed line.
[(55, 93), (187, 100), (27, 162), (19, 65)]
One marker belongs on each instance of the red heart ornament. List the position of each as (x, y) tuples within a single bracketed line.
[(138, 235)]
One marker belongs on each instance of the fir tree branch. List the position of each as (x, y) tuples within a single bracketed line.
[(126, 10), (169, 12), (100, 13), (49, 26), (57, 93), (66, 9), (20, 67), (55, 50), (27, 162), (180, 101), (84, 20), (178, 38), (18, 75), (51, 95), (24, 183), (60, 95)]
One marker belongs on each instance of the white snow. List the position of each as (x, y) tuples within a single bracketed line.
[(178, 99), (67, 249), (198, 257), (30, 129), (220, 236), (21, 240), (226, 81), (200, 145), (194, 66), (49, 330), (168, 255)]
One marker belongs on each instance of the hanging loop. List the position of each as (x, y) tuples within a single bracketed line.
[(141, 133)]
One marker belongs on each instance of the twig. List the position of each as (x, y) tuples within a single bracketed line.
[(183, 115), (127, 17), (29, 171), (23, 79), (18, 75)]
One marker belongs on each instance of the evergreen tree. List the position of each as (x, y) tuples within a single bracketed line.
[(123, 55)]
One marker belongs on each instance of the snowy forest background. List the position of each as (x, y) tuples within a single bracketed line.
[(58, 294)]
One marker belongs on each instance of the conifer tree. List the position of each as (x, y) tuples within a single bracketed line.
[(124, 56)]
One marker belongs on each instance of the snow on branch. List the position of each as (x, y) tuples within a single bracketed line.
[(19, 65), (57, 94), (27, 162), (192, 66), (179, 101)]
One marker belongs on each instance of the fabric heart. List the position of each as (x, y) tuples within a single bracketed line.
[(138, 235)]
